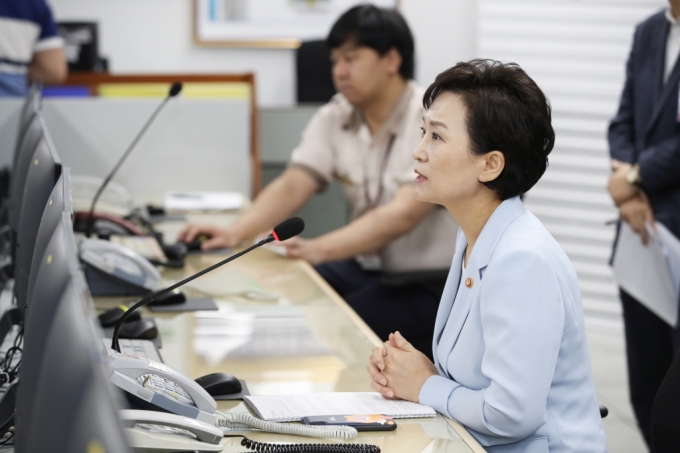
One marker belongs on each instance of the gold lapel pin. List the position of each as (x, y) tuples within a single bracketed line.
[(468, 282)]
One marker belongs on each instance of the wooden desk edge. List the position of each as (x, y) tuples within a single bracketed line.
[(309, 270)]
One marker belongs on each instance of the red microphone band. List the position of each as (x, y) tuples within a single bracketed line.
[(276, 236)]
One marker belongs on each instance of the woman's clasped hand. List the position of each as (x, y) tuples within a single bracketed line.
[(398, 370)]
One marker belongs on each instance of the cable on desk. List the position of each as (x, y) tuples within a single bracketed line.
[(233, 420), (306, 448), (8, 372)]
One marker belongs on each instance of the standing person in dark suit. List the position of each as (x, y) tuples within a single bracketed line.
[(644, 143)]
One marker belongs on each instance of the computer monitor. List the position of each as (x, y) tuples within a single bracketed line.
[(32, 105), (22, 158), (74, 407), (59, 202), (43, 173), (54, 272)]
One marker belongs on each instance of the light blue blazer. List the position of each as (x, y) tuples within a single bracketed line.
[(510, 345)]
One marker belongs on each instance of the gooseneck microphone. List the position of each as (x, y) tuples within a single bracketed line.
[(174, 91), (284, 230)]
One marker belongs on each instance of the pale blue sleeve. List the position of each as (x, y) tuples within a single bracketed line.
[(522, 319)]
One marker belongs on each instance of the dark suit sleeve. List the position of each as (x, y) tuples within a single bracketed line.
[(660, 166), (621, 134)]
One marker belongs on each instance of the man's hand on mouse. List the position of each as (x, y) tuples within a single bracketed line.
[(218, 237)]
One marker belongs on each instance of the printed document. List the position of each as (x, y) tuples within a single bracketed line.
[(281, 408), (651, 273)]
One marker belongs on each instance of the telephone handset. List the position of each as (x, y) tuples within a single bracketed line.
[(153, 385), (113, 270), (106, 223), (159, 431)]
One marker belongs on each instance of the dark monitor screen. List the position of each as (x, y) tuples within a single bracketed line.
[(43, 173), (74, 404)]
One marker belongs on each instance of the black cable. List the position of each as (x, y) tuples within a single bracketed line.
[(8, 438), (137, 217), (305, 448), (8, 372)]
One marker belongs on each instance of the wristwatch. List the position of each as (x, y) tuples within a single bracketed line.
[(633, 175)]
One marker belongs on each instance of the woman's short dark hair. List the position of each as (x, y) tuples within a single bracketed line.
[(507, 112), (381, 29)]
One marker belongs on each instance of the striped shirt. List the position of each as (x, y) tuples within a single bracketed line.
[(26, 27)]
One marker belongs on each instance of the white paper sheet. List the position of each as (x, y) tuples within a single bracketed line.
[(644, 271), (203, 201), (670, 246), (294, 407)]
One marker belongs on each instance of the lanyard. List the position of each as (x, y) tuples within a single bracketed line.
[(372, 203)]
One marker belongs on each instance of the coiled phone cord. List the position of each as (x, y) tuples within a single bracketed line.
[(233, 420), (306, 448)]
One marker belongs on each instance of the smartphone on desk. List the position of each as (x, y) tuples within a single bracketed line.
[(370, 422)]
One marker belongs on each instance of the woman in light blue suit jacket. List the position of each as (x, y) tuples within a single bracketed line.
[(511, 359)]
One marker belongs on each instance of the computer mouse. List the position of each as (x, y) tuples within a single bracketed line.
[(171, 298), (144, 329), (217, 384), (176, 252), (109, 318), (196, 243)]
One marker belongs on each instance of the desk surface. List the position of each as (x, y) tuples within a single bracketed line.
[(283, 330)]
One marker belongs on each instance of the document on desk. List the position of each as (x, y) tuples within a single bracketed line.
[(651, 273), (286, 408), (203, 201)]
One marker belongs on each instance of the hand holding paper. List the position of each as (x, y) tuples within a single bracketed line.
[(650, 273)]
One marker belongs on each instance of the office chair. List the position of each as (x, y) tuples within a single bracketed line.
[(314, 81), (666, 412)]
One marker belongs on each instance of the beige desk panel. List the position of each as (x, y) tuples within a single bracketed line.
[(332, 349)]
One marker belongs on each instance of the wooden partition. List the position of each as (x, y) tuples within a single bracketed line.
[(93, 81)]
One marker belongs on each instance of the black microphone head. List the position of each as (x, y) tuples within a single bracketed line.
[(288, 228), (175, 89)]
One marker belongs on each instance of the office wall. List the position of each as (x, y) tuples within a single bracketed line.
[(155, 36), (576, 52), (186, 149)]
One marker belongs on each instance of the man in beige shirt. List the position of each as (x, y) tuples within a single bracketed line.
[(390, 262)]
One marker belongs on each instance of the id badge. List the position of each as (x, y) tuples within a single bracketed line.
[(370, 262)]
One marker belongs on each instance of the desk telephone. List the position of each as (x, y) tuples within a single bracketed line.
[(188, 419), (113, 270)]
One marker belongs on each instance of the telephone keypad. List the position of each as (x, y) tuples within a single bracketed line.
[(161, 429), (165, 387)]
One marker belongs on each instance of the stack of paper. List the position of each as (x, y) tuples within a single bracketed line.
[(282, 408)]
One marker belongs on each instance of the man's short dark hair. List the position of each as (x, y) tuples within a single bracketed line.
[(507, 112), (381, 29)]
